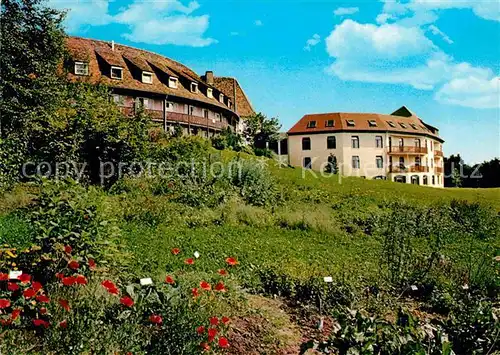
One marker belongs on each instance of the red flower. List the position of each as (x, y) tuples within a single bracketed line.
[(194, 291), (220, 287), (204, 346), (155, 319), (127, 301), (68, 280), (110, 286), (189, 261), (4, 277), (200, 330), (5, 322), (212, 332), (223, 343), (231, 261), (40, 322), (64, 304), (28, 293), (225, 320), (170, 280), (60, 276), (42, 298), (91, 263), (205, 285), (113, 291), (37, 286), (4, 303), (68, 249), (73, 264), (15, 314), (63, 324), (222, 272), (24, 278), (43, 310), (175, 251), (81, 280), (214, 321), (11, 286)]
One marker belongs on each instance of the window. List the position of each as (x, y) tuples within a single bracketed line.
[(350, 123), (355, 141), (433, 180), (329, 123), (355, 162), (425, 180), (311, 124), (380, 162), (194, 87), (401, 162), (331, 142), (210, 93), (306, 143), (413, 125), (307, 163), (117, 73), (205, 114), (391, 123), (144, 102), (81, 68), (415, 180), (417, 142), (378, 142), (170, 106), (173, 82), (221, 97), (118, 99), (229, 104), (402, 124), (401, 142), (372, 123), (417, 161), (147, 77)]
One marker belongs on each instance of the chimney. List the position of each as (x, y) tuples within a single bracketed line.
[(112, 45), (209, 77)]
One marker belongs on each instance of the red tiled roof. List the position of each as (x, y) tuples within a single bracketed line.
[(230, 86), (414, 125)]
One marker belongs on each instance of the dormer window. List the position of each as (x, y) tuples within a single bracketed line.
[(173, 82), (210, 93), (117, 73), (391, 123), (402, 125), (413, 125), (81, 68), (350, 123), (147, 77), (311, 124), (229, 103), (329, 123), (372, 123), (194, 87), (221, 97)]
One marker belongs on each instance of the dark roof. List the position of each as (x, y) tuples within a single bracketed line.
[(414, 125), (230, 86)]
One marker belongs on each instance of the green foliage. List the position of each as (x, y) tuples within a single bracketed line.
[(228, 139), (260, 129)]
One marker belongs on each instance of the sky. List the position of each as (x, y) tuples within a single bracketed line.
[(441, 59)]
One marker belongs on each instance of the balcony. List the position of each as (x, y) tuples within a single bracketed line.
[(438, 153), (408, 169), (407, 150), (438, 170)]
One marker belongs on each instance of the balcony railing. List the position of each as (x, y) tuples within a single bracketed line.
[(408, 169), (438, 170), (438, 153), (407, 150)]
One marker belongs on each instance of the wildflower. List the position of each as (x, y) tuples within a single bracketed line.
[(43, 310), (220, 287), (189, 261), (73, 264), (222, 272), (11, 286), (196, 254), (170, 280), (110, 286), (68, 280), (194, 291), (81, 280), (68, 249), (64, 304), (91, 263), (29, 292), (42, 299), (223, 343), (214, 321), (231, 261), (40, 322), (63, 324), (24, 278), (212, 332), (225, 320), (205, 285), (200, 330), (127, 301), (175, 251), (5, 322), (155, 319), (15, 313), (4, 277), (37, 286), (4, 303), (204, 346), (60, 276)]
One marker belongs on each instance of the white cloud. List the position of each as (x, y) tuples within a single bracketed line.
[(258, 23), (313, 41), (342, 11), (437, 32), (471, 91), (383, 18), (82, 14)]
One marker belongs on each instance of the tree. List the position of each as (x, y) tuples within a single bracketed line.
[(456, 179), (260, 130)]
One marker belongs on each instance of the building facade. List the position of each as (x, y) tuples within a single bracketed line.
[(169, 91), (400, 146)]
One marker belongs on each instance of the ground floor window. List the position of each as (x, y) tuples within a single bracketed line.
[(415, 180), (355, 162), (433, 180), (400, 178), (307, 163), (426, 182), (380, 162)]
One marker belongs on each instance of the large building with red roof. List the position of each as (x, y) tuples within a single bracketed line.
[(171, 92), (400, 146)]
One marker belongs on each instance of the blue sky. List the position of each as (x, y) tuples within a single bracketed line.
[(439, 58)]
